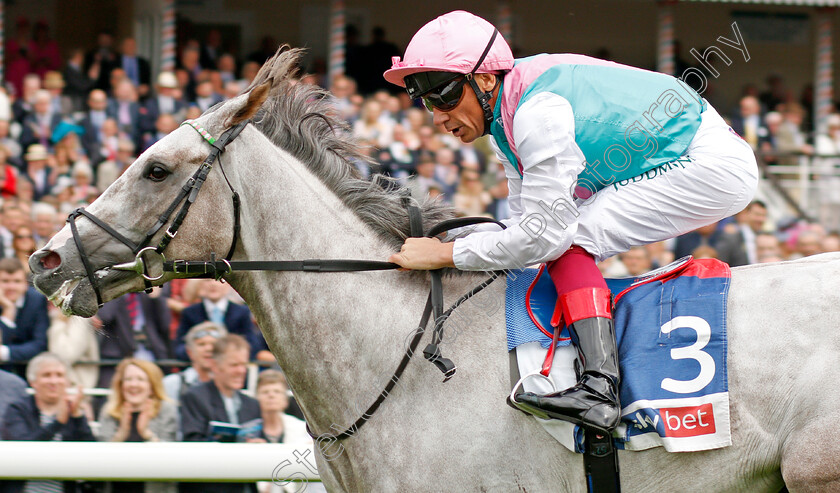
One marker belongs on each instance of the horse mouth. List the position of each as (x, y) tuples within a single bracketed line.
[(63, 297)]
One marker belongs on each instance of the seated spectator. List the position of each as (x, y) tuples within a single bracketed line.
[(25, 192), (277, 426), (83, 189), (38, 172), (808, 242), (110, 138), (767, 246), (769, 144), (704, 251), (446, 172), (747, 123), (637, 261), (24, 320), (370, 129), (125, 109), (831, 242), (68, 146), (164, 125), (49, 415), (792, 137), (38, 126), (199, 344), (74, 340), (232, 89), (12, 218), (92, 121), (419, 184), (138, 411), (205, 95), (166, 100), (135, 325), (704, 236), (215, 306), (54, 83), (108, 171), (737, 245), (219, 399), (471, 199), (24, 245), (12, 389)]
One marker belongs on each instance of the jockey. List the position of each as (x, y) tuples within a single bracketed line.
[(599, 157)]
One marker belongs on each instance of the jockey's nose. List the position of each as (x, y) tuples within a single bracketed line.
[(439, 117), (44, 261)]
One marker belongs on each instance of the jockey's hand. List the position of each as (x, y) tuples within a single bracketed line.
[(423, 254)]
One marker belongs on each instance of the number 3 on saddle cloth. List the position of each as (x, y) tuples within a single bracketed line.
[(671, 333)]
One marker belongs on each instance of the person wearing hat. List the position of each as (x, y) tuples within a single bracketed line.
[(54, 83), (600, 157), (167, 99), (38, 172)]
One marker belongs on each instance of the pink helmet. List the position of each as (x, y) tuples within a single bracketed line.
[(453, 42)]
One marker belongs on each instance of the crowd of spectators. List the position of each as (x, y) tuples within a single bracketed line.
[(68, 128)]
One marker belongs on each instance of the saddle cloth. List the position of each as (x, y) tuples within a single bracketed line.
[(671, 334)]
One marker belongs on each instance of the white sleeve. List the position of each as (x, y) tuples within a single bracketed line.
[(541, 202)]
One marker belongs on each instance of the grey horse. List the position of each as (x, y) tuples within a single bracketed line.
[(339, 336)]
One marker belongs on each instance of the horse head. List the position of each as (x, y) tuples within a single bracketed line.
[(90, 261)]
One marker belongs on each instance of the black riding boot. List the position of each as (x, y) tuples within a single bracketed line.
[(593, 402)]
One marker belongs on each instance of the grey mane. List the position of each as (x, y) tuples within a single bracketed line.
[(301, 119)]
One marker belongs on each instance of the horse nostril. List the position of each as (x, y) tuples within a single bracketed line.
[(50, 261)]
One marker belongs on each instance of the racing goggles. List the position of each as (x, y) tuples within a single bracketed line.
[(441, 90)]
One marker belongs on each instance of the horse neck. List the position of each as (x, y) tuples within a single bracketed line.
[(337, 336)]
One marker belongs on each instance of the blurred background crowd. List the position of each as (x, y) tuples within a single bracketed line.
[(170, 362)]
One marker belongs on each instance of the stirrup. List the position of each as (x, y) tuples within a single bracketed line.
[(524, 407)]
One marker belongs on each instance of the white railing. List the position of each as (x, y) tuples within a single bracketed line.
[(811, 182), (158, 461)]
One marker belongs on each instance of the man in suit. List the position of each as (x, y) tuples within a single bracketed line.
[(102, 59), (737, 245), (92, 121), (134, 325), (136, 68), (748, 122), (37, 171), (167, 100), (216, 307), (24, 320), (125, 109), (38, 126), (219, 399), (12, 389)]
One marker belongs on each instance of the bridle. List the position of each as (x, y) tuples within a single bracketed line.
[(187, 195), (216, 269)]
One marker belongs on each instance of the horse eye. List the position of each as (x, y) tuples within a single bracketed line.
[(157, 173)]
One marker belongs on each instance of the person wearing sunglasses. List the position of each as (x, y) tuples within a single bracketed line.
[(199, 344), (600, 157)]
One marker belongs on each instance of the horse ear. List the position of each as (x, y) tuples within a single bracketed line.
[(256, 97)]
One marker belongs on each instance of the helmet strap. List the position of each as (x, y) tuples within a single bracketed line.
[(484, 97), (484, 100)]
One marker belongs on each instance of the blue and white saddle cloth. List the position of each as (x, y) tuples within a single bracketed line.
[(671, 333)]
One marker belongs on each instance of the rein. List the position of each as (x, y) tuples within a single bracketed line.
[(216, 269)]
